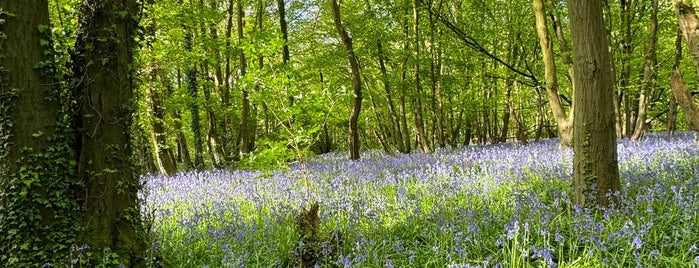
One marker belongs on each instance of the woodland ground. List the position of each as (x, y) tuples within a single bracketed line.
[(500, 205)]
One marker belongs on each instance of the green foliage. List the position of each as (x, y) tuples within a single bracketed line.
[(41, 199)]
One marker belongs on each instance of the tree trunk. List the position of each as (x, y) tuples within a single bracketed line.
[(103, 60), (285, 48), (190, 74), (628, 99), (595, 164), (689, 24), (648, 74), (228, 147), (672, 116), (417, 99), (395, 122), (680, 92), (404, 80), (166, 165), (36, 170), (356, 83), (243, 130), (565, 130)]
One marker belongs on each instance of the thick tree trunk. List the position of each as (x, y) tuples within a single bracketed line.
[(36, 170), (595, 164), (352, 132), (647, 82), (565, 129), (103, 60)]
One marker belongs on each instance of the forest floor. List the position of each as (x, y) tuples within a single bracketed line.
[(500, 205)]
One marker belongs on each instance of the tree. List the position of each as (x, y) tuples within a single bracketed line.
[(649, 72), (352, 131), (689, 25), (37, 203), (103, 60), (565, 126), (595, 166)]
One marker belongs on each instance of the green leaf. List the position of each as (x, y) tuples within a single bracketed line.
[(42, 28), (38, 134)]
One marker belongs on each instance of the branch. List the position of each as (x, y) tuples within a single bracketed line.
[(472, 42)]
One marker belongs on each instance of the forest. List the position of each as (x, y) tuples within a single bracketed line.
[(362, 133)]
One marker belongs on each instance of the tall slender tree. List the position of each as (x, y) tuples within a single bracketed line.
[(353, 130), (595, 164), (565, 126), (417, 98)]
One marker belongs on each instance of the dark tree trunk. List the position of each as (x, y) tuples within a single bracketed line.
[(356, 83), (595, 164), (228, 147), (246, 109), (36, 170), (191, 79), (103, 59), (404, 84)]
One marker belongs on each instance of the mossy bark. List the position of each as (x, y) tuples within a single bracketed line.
[(105, 89)]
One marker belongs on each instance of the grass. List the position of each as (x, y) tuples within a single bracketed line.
[(502, 205)]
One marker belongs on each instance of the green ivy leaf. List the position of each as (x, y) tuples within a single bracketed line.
[(42, 28), (38, 134)]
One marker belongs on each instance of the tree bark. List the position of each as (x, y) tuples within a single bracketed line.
[(628, 99), (356, 83), (395, 122), (679, 89), (164, 161), (191, 78), (103, 61), (404, 80), (36, 170), (565, 126), (689, 24), (595, 164), (242, 139), (648, 74), (417, 99)]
